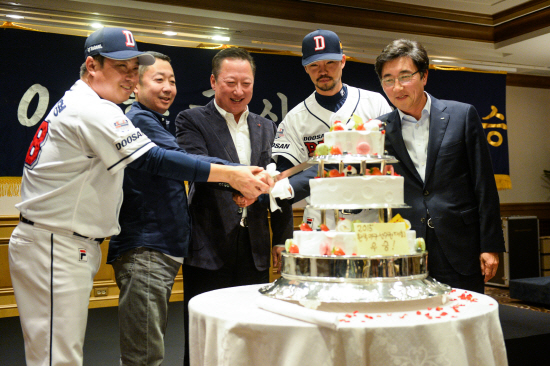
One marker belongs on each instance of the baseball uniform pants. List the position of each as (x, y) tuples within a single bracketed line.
[(52, 273)]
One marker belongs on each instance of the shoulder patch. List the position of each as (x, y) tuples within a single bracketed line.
[(122, 123), (280, 133)]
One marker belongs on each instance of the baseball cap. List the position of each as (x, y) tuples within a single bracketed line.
[(116, 44), (321, 45)]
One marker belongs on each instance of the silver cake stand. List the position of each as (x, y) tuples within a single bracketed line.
[(354, 279), (312, 280)]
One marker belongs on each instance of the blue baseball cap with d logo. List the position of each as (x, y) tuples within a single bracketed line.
[(321, 45), (116, 44)]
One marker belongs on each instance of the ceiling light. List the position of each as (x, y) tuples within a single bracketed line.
[(220, 38), (170, 33), (15, 16), (96, 25), (437, 60), (480, 65)]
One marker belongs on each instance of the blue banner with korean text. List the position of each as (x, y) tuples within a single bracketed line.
[(43, 66), (487, 93)]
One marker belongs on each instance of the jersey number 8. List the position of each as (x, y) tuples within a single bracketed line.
[(34, 150)]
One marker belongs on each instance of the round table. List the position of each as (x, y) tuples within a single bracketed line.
[(227, 327)]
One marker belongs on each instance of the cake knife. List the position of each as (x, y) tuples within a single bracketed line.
[(291, 171)]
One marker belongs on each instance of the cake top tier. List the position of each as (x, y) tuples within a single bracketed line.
[(353, 137)]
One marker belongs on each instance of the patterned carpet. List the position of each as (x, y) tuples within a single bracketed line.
[(502, 295)]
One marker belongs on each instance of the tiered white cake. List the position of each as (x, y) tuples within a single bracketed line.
[(355, 261), (348, 188)]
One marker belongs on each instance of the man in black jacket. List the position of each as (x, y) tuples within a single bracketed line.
[(230, 245), (449, 181)]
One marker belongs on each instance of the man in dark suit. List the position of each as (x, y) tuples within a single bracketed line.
[(230, 244), (444, 157)]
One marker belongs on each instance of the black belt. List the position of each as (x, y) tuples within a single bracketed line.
[(27, 221)]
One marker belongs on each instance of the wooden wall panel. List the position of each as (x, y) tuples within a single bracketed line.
[(5, 280), (539, 209), (528, 81)]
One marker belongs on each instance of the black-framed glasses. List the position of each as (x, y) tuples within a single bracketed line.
[(403, 79)]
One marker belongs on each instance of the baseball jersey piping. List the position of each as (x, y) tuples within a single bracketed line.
[(310, 112), (351, 115), (356, 104), (51, 297), (128, 156)]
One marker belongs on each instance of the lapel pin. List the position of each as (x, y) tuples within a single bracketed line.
[(259, 125)]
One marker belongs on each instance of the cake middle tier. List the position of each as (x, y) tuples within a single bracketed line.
[(359, 190)]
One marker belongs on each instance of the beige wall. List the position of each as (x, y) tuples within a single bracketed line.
[(528, 118)]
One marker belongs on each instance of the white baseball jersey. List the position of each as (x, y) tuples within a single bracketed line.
[(74, 167), (305, 125)]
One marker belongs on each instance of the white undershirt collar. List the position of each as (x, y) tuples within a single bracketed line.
[(416, 134)]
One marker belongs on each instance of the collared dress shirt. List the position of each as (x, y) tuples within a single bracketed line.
[(240, 135), (416, 135)]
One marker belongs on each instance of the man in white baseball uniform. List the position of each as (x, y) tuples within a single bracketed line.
[(305, 125), (72, 192)]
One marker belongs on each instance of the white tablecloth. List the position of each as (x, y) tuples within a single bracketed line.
[(228, 328)]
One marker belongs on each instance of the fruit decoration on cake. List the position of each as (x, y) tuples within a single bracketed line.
[(350, 170), (353, 137)]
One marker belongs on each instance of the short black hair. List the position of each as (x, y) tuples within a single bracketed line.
[(231, 52), (100, 59), (156, 55), (403, 48)]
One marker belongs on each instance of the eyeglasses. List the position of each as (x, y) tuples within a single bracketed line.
[(403, 79)]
